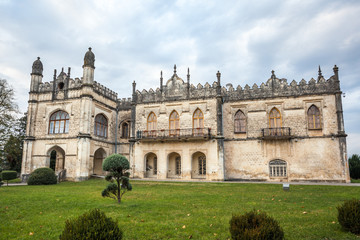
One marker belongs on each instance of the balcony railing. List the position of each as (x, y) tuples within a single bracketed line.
[(276, 133), (175, 134)]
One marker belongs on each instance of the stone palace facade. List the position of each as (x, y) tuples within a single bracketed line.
[(277, 131)]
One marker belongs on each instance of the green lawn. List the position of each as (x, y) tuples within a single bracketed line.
[(171, 210)]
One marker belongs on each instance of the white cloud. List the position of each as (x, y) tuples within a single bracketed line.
[(134, 40)]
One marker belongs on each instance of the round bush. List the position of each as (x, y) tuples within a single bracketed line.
[(349, 215), (93, 225), (253, 225), (115, 162), (42, 176)]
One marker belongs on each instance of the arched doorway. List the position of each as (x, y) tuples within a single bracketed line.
[(174, 165), (99, 157), (198, 165), (150, 165), (56, 159)]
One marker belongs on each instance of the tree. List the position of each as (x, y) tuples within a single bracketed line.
[(8, 108), (13, 148), (354, 166), (117, 165)]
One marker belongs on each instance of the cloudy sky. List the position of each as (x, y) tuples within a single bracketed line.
[(135, 40)]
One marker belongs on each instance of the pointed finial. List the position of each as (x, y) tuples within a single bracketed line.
[(90, 48), (188, 75), (273, 74), (320, 74), (62, 69), (174, 68), (218, 75), (336, 72), (161, 81), (38, 58)]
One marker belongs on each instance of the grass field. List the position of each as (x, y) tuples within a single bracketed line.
[(172, 210)]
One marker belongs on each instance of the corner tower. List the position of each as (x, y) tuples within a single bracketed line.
[(36, 75), (89, 67)]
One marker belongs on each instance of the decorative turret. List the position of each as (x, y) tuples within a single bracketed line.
[(36, 75), (89, 66)]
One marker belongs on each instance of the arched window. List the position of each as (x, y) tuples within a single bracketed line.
[(174, 123), (59, 122), (125, 130), (314, 117), (151, 122), (198, 122), (202, 165), (275, 118), (277, 168), (239, 122), (101, 125)]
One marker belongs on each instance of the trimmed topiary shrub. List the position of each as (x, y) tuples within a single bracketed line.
[(8, 175), (117, 167), (93, 225), (42, 176), (349, 215), (254, 226)]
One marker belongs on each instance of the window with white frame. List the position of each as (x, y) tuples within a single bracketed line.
[(278, 168)]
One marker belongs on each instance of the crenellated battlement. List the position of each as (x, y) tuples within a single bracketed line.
[(104, 91), (124, 103)]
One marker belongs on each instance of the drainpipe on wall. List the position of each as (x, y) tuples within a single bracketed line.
[(116, 128)]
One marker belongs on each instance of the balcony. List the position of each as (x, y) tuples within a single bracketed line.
[(276, 133), (189, 134)]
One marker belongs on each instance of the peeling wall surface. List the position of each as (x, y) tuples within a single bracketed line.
[(183, 131)]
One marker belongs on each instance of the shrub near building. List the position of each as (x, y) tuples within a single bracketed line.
[(42, 176), (8, 175), (349, 215), (255, 226), (93, 225)]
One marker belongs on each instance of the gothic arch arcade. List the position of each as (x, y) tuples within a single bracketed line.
[(151, 165), (198, 165), (55, 159), (174, 165), (99, 157)]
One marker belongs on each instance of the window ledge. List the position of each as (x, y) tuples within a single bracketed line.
[(315, 129)]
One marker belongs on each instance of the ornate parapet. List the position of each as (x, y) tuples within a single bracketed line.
[(276, 87), (48, 86)]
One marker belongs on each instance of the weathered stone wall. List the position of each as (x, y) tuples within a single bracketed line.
[(310, 154)]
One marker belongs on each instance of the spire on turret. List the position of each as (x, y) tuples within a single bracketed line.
[(37, 67), (174, 69), (89, 59), (89, 67)]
